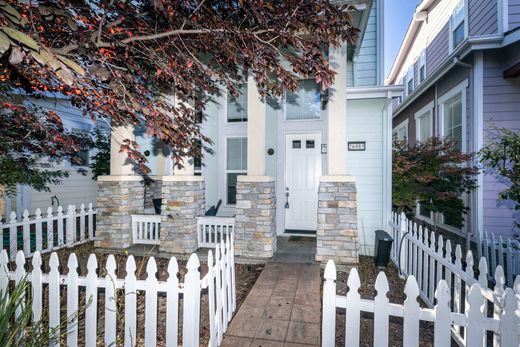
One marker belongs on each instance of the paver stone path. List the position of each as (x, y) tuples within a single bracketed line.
[(283, 309)]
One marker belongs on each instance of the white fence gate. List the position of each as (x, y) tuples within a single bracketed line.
[(219, 282), (45, 233), (146, 228), (420, 253), (211, 230), (474, 322)]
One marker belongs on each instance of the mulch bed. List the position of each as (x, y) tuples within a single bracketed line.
[(245, 276), (368, 274)]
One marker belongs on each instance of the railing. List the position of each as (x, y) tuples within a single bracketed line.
[(47, 288), (424, 255), (503, 251), (474, 321), (47, 233), (212, 230), (146, 228)]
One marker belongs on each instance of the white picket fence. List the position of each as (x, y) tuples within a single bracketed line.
[(499, 250), (47, 233), (219, 283), (473, 321), (420, 253), (146, 228), (211, 230)]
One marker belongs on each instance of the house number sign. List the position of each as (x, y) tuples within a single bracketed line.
[(357, 146)]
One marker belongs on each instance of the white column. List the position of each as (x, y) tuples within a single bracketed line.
[(187, 170), (256, 119), (120, 165), (337, 112)]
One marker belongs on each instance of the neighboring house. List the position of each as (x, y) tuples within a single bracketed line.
[(301, 137), (79, 187), (459, 64)]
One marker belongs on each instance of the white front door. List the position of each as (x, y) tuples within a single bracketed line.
[(302, 174)]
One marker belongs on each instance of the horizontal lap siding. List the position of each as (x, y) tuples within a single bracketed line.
[(501, 105), (366, 61), (367, 166), (514, 14), (483, 17), (438, 50)]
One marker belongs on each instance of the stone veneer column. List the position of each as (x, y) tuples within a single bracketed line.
[(337, 234), (183, 200), (255, 228), (118, 198)]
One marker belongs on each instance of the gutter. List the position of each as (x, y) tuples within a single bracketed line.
[(471, 44)]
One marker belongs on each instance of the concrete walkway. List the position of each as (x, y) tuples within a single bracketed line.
[(283, 309)]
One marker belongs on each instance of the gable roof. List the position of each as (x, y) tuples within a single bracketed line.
[(413, 28)]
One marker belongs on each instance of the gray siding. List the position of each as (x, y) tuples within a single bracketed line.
[(501, 105), (514, 14), (438, 50), (483, 17), (366, 63)]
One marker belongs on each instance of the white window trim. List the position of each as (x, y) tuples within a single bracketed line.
[(284, 105), (403, 124), (458, 89), (226, 171), (227, 107), (422, 63), (452, 25), (419, 114)]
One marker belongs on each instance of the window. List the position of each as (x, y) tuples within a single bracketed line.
[(422, 66), (457, 25), (197, 160), (424, 123), (424, 211), (452, 119), (237, 106), (80, 158), (400, 132), (409, 80), (304, 103), (236, 165)]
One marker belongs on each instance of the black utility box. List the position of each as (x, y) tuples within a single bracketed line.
[(382, 248)]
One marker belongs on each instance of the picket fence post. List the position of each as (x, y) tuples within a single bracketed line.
[(150, 316), (130, 303), (329, 306), (191, 304), (36, 286), (91, 296), (411, 313), (50, 229), (352, 320), (441, 336), (211, 301), (26, 233), (110, 301), (172, 303), (54, 296), (72, 301)]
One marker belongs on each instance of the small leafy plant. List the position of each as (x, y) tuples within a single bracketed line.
[(502, 156)]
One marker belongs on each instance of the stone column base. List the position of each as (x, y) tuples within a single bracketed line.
[(255, 227), (337, 234), (118, 198), (183, 200)]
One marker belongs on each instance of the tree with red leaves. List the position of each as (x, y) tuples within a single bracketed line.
[(152, 63)]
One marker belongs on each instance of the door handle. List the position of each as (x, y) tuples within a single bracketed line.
[(286, 197)]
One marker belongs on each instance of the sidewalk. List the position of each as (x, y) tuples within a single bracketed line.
[(283, 309)]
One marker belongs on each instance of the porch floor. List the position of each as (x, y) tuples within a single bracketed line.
[(283, 309)]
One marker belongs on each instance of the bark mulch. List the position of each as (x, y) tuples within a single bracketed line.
[(245, 275)]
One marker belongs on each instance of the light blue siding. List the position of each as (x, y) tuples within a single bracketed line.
[(365, 64), (367, 167)]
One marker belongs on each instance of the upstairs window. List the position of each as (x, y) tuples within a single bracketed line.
[(409, 80), (457, 25), (422, 66), (305, 103), (237, 105), (452, 119), (80, 158)]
